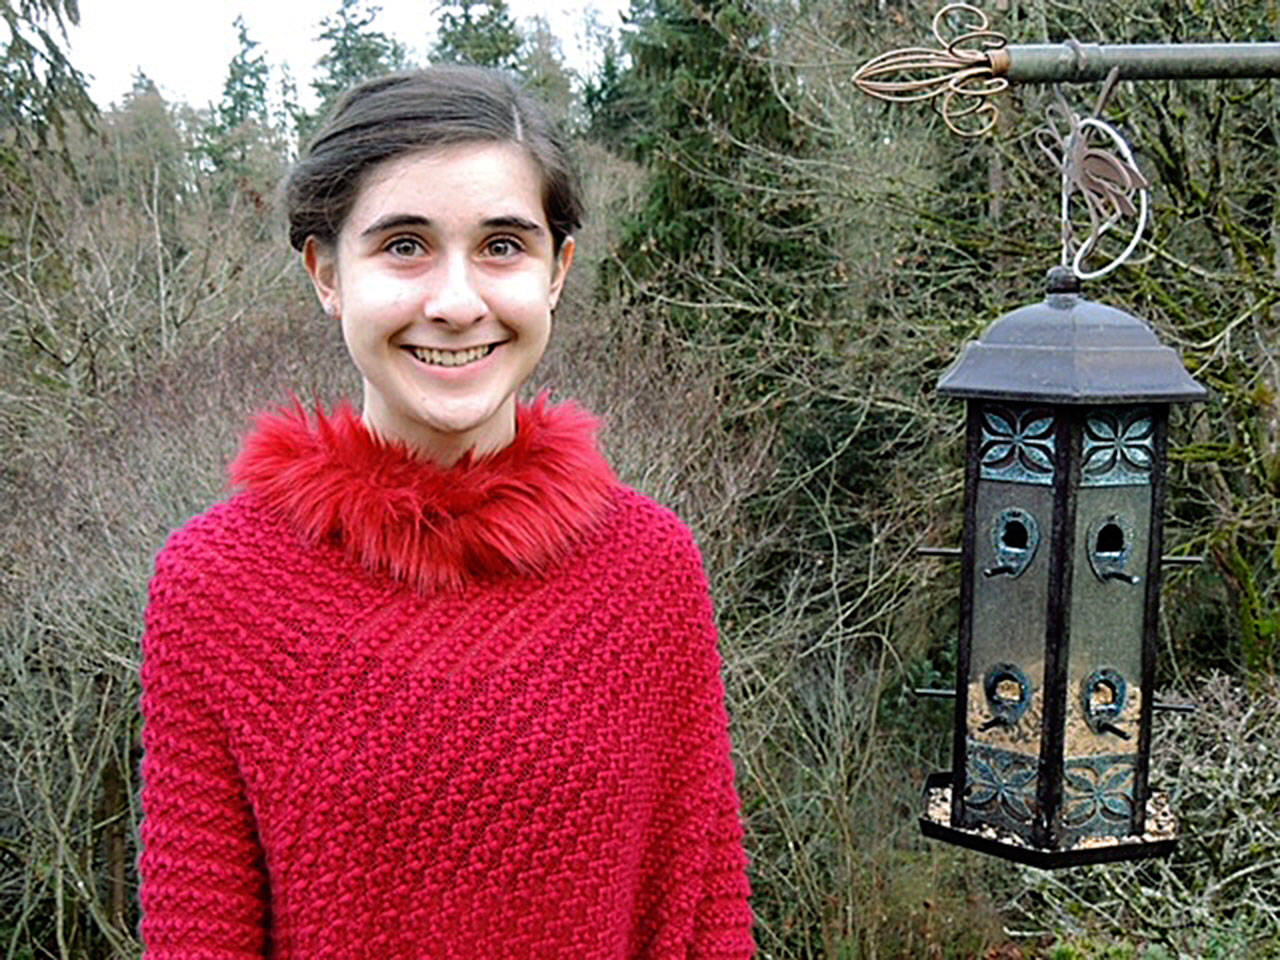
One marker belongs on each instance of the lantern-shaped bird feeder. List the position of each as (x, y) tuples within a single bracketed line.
[(1068, 405)]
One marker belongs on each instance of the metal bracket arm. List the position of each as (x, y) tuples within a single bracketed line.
[(1073, 62)]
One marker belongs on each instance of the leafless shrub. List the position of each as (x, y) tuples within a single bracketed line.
[(143, 314), (96, 506)]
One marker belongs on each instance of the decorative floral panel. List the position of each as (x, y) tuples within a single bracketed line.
[(1001, 786), (1017, 444), (1098, 795), (1118, 447)]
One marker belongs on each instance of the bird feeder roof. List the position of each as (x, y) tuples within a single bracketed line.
[(1068, 349)]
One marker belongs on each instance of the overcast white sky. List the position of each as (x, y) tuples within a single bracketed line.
[(185, 46)]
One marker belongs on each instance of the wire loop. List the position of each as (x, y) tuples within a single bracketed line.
[(1107, 183)]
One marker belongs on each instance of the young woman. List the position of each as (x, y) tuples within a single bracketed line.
[(432, 683)]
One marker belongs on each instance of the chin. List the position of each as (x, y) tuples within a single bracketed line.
[(474, 427), (467, 420)]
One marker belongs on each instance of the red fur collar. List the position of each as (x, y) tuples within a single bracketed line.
[(513, 512)]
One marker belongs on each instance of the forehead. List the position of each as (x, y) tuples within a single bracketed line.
[(460, 181)]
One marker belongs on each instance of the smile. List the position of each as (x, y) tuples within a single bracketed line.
[(451, 358)]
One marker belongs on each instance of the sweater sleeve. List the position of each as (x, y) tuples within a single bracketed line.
[(722, 918), (203, 888), (722, 923)]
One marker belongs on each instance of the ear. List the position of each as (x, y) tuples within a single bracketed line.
[(564, 260), (321, 261)]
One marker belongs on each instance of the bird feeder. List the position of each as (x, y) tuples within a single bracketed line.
[(1068, 405)]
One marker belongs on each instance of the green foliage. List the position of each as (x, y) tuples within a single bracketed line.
[(604, 91), (243, 104), (1089, 950), (355, 53), (286, 115), (728, 249), (40, 90), (481, 32), (39, 87), (244, 93)]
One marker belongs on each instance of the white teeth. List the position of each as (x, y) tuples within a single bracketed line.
[(450, 358)]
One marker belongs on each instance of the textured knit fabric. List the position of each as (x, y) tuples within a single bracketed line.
[(398, 711)]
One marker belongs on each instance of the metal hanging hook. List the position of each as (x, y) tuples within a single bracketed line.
[(1106, 182)]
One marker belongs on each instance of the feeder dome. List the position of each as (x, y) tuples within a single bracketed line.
[(1068, 349)]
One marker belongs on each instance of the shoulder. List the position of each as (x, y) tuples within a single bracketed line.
[(642, 558), (648, 574), (229, 584), (234, 527), (228, 550), (650, 528)]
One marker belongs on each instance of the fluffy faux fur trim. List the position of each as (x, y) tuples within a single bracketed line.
[(513, 512)]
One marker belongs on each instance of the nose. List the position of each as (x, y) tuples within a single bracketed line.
[(454, 298)]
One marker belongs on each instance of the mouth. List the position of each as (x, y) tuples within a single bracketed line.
[(451, 358)]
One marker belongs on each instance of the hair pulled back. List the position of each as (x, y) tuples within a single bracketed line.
[(407, 112)]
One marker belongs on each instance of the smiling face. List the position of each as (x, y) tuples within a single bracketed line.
[(444, 275)]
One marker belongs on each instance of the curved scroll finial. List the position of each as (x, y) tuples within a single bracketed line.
[(958, 72)]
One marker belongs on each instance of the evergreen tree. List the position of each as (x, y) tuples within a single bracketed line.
[(603, 93), (698, 106), (732, 253), (356, 53), (38, 85), (481, 32), (39, 91), (244, 93), (284, 118), (242, 107)]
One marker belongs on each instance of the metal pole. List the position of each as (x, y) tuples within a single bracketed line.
[(1072, 62), (972, 63)]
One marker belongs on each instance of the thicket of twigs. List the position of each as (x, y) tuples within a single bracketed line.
[(782, 404)]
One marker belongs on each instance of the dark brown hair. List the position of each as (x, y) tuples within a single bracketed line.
[(406, 112)]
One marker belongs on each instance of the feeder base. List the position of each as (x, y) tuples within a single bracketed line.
[(1159, 840)]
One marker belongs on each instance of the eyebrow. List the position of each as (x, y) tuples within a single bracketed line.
[(394, 221), (513, 222)]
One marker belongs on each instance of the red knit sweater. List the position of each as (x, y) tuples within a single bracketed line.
[(398, 711)]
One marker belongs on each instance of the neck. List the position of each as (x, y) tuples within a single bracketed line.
[(441, 446)]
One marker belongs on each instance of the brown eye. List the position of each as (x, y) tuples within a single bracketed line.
[(502, 247), (405, 247)]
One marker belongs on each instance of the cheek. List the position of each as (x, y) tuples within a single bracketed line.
[(527, 295), (367, 326), (359, 344), (371, 296), (374, 310)]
